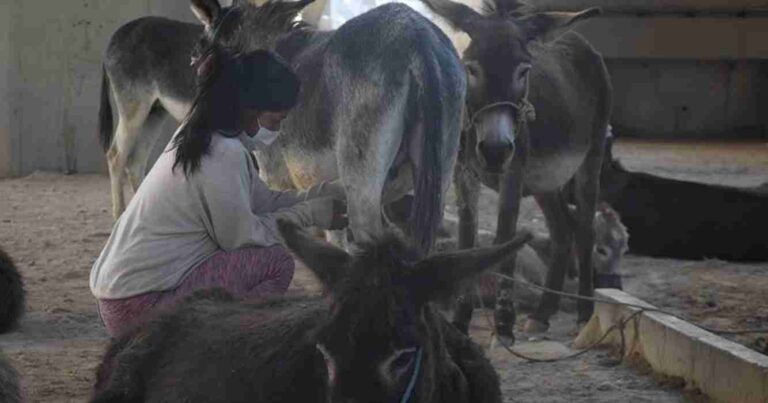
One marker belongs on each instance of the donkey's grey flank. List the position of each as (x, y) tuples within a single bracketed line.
[(539, 102), (381, 108)]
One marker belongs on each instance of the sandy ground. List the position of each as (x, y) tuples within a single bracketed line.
[(54, 226)]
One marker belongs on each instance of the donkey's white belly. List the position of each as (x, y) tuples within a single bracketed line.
[(307, 171), (178, 109)]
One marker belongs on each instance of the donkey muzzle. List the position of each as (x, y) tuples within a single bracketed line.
[(608, 280), (495, 130), (494, 155)]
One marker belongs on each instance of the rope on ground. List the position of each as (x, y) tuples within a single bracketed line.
[(620, 327), (636, 306)]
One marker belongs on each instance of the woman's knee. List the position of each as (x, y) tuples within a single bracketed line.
[(280, 268)]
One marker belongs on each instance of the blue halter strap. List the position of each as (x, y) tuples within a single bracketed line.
[(412, 383)]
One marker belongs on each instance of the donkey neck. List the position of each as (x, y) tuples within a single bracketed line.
[(294, 43)]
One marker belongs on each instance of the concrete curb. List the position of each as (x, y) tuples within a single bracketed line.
[(724, 370)]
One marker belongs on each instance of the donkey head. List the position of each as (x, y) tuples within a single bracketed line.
[(244, 26), (381, 343), (498, 63), (611, 240)]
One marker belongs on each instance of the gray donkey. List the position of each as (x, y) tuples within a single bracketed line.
[(381, 105), (539, 103)]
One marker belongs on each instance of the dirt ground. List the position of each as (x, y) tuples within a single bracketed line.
[(54, 227)]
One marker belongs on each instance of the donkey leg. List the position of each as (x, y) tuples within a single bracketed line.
[(364, 202), (131, 117), (561, 234), (587, 191), (510, 194), (138, 162), (467, 188), (116, 167)]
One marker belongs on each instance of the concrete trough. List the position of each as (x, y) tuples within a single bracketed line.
[(723, 370)]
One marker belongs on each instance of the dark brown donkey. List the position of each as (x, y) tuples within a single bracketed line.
[(379, 341), (539, 102)]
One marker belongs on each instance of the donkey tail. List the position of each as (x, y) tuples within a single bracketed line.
[(428, 173), (105, 113), (11, 294)]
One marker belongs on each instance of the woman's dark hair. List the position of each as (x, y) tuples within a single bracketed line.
[(226, 86)]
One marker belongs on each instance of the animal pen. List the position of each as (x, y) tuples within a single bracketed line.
[(689, 83)]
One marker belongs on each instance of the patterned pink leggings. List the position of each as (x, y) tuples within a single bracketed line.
[(246, 273)]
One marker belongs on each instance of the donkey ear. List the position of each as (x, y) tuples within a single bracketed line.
[(460, 16), (206, 11), (328, 262), (440, 275), (549, 26)]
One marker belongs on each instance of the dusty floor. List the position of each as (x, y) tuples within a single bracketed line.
[(55, 225)]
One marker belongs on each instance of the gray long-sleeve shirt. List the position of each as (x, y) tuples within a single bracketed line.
[(175, 222)]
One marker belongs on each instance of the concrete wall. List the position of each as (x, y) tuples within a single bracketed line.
[(678, 98), (655, 7), (686, 77), (5, 104), (700, 72), (50, 72)]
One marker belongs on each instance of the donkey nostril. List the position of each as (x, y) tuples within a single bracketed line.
[(495, 154)]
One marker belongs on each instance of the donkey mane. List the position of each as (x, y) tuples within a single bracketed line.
[(506, 8), (268, 13), (377, 273), (391, 250)]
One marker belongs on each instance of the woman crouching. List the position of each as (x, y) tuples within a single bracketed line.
[(202, 218)]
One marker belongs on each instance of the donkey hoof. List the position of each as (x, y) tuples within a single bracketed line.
[(534, 326), (498, 340)]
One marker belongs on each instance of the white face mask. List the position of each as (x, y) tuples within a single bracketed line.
[(266, 136), (263, 138)]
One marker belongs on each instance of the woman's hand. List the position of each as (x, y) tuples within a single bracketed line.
[(334, 189), (329, 213)]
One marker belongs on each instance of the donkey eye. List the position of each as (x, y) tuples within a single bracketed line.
[(402, 360), (473, 70), (397, 365)]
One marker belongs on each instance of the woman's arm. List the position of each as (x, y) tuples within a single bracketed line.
[(224, 187), (265, 199)]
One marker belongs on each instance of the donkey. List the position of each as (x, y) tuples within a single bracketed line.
[(380, 108), (147, 71), (380, 340), (539, 102), (12, 294), (611, 244)]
